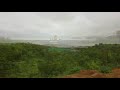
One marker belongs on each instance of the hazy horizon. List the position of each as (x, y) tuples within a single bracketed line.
[(66, 25)]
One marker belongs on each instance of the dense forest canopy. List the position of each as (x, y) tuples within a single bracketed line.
[(30, 60)]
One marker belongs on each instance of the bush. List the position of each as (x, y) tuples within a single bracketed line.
[(50, 68), (73, 70), (93, 64), (105, 69)]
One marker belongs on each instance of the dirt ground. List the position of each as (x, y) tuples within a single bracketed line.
[(95, 74)]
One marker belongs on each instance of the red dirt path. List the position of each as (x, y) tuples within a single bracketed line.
[(95, 74)]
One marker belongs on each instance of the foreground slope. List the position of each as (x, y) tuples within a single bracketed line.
[(25, 60), (95, 74)]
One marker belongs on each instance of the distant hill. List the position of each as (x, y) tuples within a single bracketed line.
[(109, 39), (3, 39), (87, 41)]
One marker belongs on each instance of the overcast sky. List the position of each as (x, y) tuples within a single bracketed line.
[(42, 25)]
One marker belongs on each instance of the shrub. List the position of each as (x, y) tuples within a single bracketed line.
[(73, 70), (50, 68), (93, 64), (105, 69)]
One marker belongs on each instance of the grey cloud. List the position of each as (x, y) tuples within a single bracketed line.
[(65, 24)]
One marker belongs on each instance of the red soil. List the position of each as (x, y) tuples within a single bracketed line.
[(95, 74)]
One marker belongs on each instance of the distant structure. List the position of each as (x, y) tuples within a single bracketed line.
[(4, 37), (54, 40)]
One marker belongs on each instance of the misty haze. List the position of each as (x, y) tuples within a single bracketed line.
[(30, 42), (71, 28)]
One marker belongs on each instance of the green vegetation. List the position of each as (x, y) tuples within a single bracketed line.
[(25, 60)]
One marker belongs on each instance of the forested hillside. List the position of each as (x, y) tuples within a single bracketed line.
[(25, 60)]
